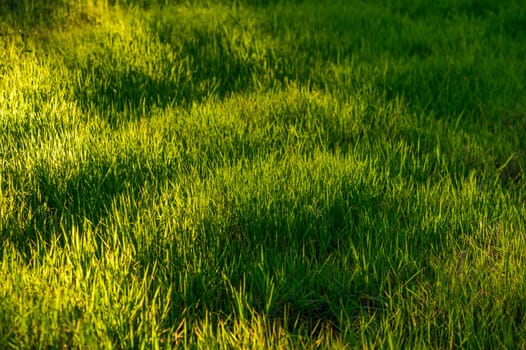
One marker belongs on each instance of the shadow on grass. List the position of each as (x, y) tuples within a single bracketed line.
[(57, 198), (30, 14), (200, 59), (285, 251), (183, 71)]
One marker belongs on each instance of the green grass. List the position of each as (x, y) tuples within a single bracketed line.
[(262, 174)]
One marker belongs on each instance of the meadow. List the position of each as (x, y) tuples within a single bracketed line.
[(262, 174)]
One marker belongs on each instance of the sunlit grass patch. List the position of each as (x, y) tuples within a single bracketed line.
[(262, 174)]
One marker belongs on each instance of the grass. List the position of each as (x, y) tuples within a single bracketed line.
[(262, 174)]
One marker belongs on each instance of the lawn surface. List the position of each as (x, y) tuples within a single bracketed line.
[(262, 174)]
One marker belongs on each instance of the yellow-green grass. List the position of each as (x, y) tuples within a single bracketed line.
[(262, 174)]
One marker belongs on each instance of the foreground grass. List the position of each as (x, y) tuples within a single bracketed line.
[(262, 175)]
